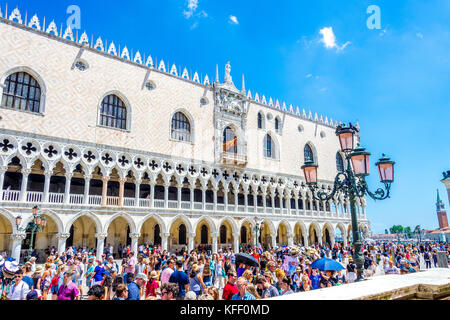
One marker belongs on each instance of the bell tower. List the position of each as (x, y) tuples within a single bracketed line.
[(441, 213)]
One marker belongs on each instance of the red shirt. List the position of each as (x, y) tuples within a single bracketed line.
[(256, 255), (229, 291), (151, 288)]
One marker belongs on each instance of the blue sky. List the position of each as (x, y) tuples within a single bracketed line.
[(394, 81)]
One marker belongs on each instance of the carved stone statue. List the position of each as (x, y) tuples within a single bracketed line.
[(228, 78)]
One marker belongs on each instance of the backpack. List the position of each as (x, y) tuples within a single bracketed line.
[(55, 281), (46, 282), (366, 263)]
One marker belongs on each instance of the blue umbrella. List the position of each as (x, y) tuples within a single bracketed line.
[(327, 264)]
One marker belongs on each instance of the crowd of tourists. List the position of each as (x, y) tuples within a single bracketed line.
[(155, 274)]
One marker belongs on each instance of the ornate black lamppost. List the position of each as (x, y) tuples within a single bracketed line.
[(36, 225), (257, 228), (352, 182)]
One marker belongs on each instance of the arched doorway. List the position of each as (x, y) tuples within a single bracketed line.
[(282, 235), (223, 234), (298, 234), (243, 234), (182, 234), (5, 235), (204, 234), (118, 233), (150, 232), (157, 235), (313, 238)]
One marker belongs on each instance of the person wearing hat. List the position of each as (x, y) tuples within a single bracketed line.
[(152, 286), (33, 264), (297, 277), (37, 278), (34, 295), (134, 287)]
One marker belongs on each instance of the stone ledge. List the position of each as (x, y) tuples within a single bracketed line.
[(429, 284)]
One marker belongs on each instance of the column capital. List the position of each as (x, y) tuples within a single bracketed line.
[(122, 180), (3, 169), (62, 236), (236, 235), (191, 234), (87, 176), (18, 236), (167, 234), (138, 181), (25, 171), (214, 235), (48, 173), (105, 178), (69, 175), (101, 236), (135, 235)]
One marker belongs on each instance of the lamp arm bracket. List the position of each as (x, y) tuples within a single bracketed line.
[(379, 194), (324, 196)]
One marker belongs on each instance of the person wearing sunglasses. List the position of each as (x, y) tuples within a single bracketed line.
[(20, 289), (169, 291)]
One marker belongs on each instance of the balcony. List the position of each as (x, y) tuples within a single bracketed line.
[(239, 159), (14, 196)]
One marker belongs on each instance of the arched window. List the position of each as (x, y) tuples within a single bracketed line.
[(21, 92), (277, 124), (229, 140), (260, 121), (204, 234), (113, 112), (309, 156), (182, 234), (269, 147), (181, 128), (223, 234), (157, 235), (339, 162)]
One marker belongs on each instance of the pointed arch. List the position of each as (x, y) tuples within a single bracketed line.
[(182, 126), (152, 216), (126, 216), (89, 214)]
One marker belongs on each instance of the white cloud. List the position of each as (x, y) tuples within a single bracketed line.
[(192, 5), (233, 20), (309, 75), (419, 35), (329, 39)]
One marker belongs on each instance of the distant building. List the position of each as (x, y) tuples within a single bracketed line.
[(441, 213)]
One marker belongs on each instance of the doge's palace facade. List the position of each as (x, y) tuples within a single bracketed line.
[(115, 147)]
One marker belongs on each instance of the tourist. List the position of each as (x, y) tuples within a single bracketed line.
[(167, 272), (190, 295), (206, 274), (196, 283), (121, 292), (326, 279), (391, 268), (305, 284), (152, 286), (268, 290), (134, 286), (285, 286), (169, 291), (46, 280), (230, 288), (68, 290), (214, 292), (351, 271), (96, 292), (181, 278), (243, 294), (20, 288), (315, 279)]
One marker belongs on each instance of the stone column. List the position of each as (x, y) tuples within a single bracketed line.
[(62, 238), (104, 190), (67, 188), (152, 195), (255, 200), (236, 191), (100, 244), (164, 238), (23, 188), (236, 242), (296, 204), (264, 195), (215, 200), (273, 237), (203, 198), (87, 186), (180, 186), (191, 194), (2, 176), (246, 201), (290, 239), (166, 195), (121, 190), (48, 175), (137, 191), (305, 240), (191, 238), (134, 242), (225, 198), (16, 245), (288, 203), (214, 241), (281, 196), (272, 196)]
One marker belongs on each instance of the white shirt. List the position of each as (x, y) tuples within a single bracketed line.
[(19, 291)]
